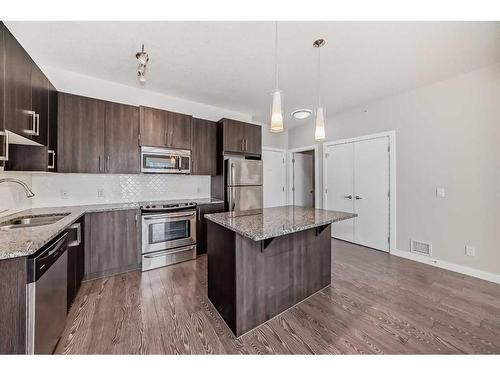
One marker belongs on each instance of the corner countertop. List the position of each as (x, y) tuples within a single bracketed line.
[(26, 241), (272, 222)]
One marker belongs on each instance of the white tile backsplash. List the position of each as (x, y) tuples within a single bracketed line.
[(63, 189)]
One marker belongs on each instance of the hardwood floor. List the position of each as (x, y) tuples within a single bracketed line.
[(376, 303)]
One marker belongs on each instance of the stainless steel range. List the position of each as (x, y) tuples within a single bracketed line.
[(168, 233)]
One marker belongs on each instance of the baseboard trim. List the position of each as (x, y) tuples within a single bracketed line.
[(469, 271)]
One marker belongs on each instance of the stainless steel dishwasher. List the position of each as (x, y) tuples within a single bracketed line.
[(47, 296)]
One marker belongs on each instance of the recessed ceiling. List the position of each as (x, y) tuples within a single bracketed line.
[(231, 64)]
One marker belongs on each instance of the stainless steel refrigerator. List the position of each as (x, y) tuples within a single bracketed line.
[(243, 184)]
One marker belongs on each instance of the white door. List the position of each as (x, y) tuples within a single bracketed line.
[(303, 179), (371, 193), (274, 174), (340, 187), (357, 180)]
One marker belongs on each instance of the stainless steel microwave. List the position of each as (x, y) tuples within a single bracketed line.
[(165, 160)]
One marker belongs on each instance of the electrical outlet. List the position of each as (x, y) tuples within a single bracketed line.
[(440, 193), (64, 194), (470, 251), (100, 193)]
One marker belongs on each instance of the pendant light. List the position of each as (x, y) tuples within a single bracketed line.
[(319, 133), (276, 109)]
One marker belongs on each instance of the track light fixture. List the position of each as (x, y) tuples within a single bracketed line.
[(143, 59)]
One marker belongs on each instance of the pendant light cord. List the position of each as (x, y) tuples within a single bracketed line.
[(276, 54), (319, 76)]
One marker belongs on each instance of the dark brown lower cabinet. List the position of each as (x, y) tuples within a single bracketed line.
[(112, 242), (76, 260), (13, 306), (201, 224)]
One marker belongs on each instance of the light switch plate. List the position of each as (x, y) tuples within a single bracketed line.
[(440, 193), (470, 251), (100, 193)]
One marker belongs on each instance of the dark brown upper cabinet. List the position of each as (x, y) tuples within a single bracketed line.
[(80, 126), (165, 129), (40, 104), (95, 136), (53, 138), (153, 128), (204, 147), (19, 116), (122, 139), (241, 137)]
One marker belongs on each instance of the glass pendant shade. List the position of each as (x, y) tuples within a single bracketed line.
[(319, 133), (276, 113)]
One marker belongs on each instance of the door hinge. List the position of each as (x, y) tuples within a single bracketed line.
[(389, 239), (389, 194), (283, 160), (326, 156), (293, 160), (283, 189), (388, 148), (326, 191), (293, 189)]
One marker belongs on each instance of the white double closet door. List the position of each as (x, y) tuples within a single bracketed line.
[(357, 180)]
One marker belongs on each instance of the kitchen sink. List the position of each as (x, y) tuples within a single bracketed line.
[(32, 221)]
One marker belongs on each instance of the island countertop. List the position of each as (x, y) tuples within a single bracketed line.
[(272, 222)]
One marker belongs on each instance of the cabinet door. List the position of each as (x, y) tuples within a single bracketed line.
[(52, 144), (204, 147), (253, 139), (233, 135), (17, 87), (113, 242), (122, 138), (201, 225), (40, 103), (178, 128), (81, 134), (153, 129)]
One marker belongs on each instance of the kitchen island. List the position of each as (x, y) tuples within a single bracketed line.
[(261, 262)]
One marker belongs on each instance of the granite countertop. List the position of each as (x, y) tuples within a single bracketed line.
[(25, 241), (272, 222)]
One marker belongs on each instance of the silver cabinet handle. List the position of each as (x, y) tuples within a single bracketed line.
[(198, 213), (358, 197), (166, 141), (31, 130), (37, 124), (99, 163), (246, 144), (348, 196), (53, 164), (163, 253), (78, 240), (107, 164), (5, 156)]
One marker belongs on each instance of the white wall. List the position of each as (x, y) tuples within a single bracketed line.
[(447, 135), (12, 196)]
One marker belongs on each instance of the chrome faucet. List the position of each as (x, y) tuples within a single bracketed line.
[(27, 190)]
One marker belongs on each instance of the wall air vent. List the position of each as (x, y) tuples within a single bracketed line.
[(420, 247)]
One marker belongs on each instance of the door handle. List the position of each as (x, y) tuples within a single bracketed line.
[(358, 197), (348, 196)]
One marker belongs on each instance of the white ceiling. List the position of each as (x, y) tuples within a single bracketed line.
[(231, 64)]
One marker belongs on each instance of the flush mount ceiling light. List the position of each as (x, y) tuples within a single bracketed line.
[(319, 133), (277, 105), (301, 114), (143, 59)]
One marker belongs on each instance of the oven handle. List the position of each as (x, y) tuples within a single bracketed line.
[(160, 254), (191, 214)]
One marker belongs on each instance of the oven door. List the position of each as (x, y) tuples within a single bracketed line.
[(156, 162), (168, 230)]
